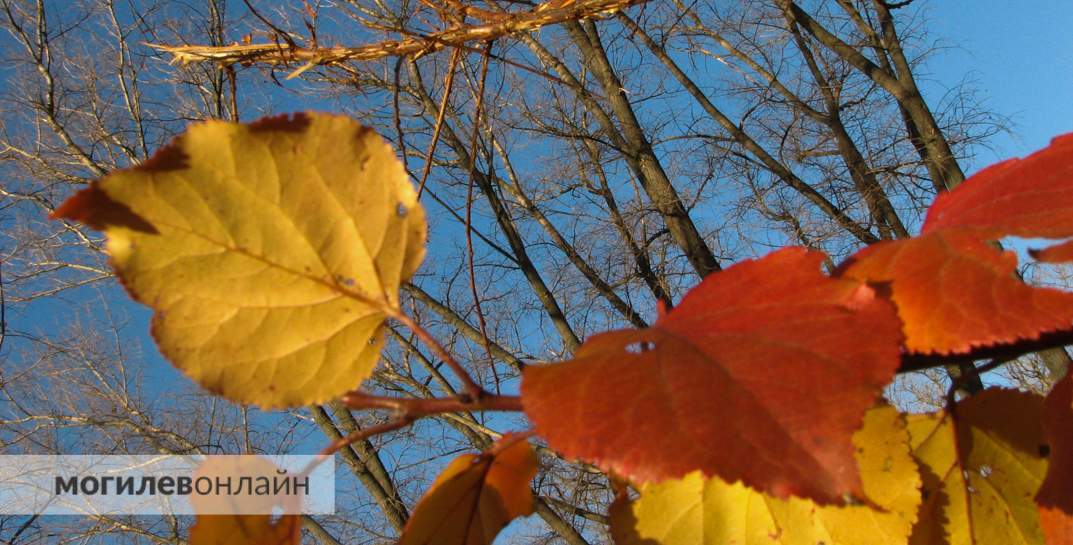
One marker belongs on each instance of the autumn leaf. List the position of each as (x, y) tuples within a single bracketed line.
[(698, 511), (955, 290), (762, 374), (271, 252), (1055, 497), (242, 529), (1059, 253), (246, 530), (475, 497), (1030, 197), (981, 467)]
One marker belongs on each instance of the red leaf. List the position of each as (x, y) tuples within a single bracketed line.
[(1030, 197), (762, 374), (1055, 497), (955, 292)]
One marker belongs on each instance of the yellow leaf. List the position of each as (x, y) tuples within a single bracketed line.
[(475, 497), (272, 252), (695, 511), (981, 471)]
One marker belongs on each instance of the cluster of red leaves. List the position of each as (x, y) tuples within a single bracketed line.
[(955, 290), (764, 371)]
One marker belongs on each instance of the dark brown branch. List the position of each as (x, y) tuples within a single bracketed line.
[(461, 325), (469, 385), (514, 187), (649, 171), (1006, 352), (941, 161), (3, 307), (746, 141)]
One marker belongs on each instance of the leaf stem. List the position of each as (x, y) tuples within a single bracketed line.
[(469, 216), (409, 411), (358, 435), (448, 81)]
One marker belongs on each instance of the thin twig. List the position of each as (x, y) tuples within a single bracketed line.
[(469, 386), (410, 410), (397, 114), (498, 58), (232, 79), (358, 435), (469, 215), (275, 29), (421, 407), (447, 83), (3, 308)]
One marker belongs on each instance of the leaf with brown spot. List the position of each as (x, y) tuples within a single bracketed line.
[(271, 252), (981, 467)]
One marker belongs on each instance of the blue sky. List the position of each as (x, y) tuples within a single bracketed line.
[(1021, 55)]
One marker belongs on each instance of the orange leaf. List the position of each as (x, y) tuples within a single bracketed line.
[(761, 374), (246, 530), (475, 497), (235, 529), (1059, 253), (1030, 197), (1055, 497), (955, 292)]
